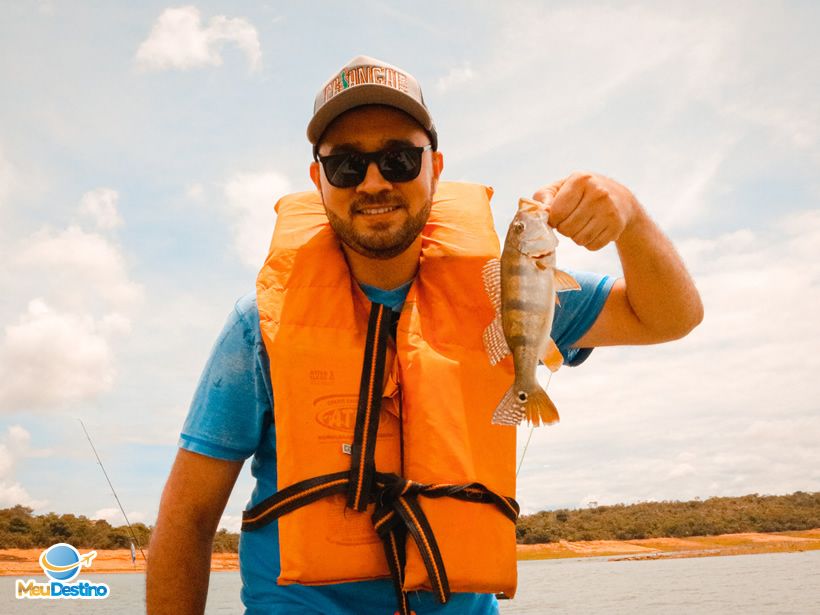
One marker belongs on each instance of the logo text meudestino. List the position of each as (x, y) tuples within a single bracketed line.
[(62, 564)]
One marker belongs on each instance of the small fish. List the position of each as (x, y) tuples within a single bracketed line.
[(522, 287)]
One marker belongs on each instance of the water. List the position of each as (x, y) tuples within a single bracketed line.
[(127, 596), (782, 583), (787, 583)]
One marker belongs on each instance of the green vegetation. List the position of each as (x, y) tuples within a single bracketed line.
[(19, 528), (730, 515)]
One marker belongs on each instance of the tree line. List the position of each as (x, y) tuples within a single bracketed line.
[(21, 529), (717, 515)]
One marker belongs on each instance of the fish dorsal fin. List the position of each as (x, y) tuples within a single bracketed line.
[(491, 274), (564, 281)]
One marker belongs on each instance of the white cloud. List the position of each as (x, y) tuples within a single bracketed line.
[(457, 76), (232, 523), (195, 192), (73, 262), (115, 518), (79, 299), (101, 206), (669, 101), (178, 40), (529, 85), (47, 8), (251, 199), (49, 357), (731, 409), (14, 446), (6, 177)]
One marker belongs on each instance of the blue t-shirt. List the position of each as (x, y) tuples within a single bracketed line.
[(231, 418)]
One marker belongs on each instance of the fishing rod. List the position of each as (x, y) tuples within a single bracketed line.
[(127, 522)]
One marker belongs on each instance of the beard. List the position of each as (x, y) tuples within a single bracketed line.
[(379, 241)]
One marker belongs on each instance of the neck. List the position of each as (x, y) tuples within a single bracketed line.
[(388, 273)]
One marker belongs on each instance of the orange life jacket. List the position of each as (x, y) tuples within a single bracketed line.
[(443, 457)]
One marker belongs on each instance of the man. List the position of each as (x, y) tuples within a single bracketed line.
[(376, 171)]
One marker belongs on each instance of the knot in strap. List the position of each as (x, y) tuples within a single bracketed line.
[(398, 513)]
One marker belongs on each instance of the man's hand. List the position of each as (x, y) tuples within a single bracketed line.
[(590, 209), (656, 300)]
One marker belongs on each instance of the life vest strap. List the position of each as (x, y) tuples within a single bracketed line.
[(362, 463), (397, 515), (295, 496)]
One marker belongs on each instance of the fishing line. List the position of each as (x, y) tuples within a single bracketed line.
[(529, 437), (127, 522)]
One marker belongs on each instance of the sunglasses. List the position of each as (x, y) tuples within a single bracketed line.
[(347, 170)]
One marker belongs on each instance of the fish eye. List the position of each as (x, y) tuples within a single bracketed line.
[(518, 226), (522, 396)]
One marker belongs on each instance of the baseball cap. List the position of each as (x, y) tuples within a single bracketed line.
[(368, 81)]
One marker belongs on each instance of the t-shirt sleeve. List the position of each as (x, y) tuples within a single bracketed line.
[(232, 402), (576, 313)]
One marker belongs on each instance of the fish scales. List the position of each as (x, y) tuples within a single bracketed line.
[(527, 283)]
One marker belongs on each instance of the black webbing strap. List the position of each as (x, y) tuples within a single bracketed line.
[(293, 497), (397, 516), (371, 387)]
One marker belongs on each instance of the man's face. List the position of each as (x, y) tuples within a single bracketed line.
[(377, 218)]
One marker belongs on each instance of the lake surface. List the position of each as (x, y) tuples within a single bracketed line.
[(783, 583)]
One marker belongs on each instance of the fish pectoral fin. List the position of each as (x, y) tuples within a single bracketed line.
[(491, 274), (564, 281), (494, 341), (540, 264)]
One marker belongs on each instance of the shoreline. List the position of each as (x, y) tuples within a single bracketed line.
[(24, 562), (667, 548)]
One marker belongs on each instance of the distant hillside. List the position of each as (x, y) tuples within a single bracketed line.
[(19, 528), (730, 515)]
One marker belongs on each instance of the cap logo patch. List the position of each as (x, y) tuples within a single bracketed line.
[(363, 75)]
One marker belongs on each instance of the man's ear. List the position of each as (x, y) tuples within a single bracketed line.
[(438, 167), (316, 175)]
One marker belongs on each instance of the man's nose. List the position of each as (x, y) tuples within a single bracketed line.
[(373, 181)]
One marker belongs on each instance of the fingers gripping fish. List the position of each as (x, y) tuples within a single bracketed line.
[(522, 287)]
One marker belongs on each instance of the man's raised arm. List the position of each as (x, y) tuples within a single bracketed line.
[(656, 301)]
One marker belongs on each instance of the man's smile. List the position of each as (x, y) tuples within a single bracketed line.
[(374, 211)]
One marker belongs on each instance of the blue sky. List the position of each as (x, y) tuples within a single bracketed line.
[(142, 146)]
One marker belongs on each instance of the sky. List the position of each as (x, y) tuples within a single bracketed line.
[(143, 145)]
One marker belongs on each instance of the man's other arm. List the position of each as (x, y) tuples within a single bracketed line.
[(656, 300), (179, 557)]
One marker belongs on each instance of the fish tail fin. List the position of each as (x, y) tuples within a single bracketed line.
[(539, 408)]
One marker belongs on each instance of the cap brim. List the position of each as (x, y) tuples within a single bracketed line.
[(368, 94)]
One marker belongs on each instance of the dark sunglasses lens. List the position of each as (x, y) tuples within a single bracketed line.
[(400, 165), (345, 170), (349, 170)]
